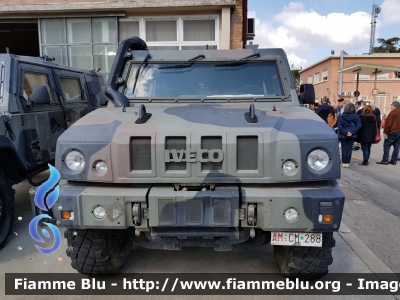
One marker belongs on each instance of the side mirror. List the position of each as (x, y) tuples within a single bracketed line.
[(307, 93), (40, 95)]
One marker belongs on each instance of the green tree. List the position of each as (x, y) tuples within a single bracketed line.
[(388, 46), (296, 78)]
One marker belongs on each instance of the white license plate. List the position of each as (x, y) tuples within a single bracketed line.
[(296, 239)]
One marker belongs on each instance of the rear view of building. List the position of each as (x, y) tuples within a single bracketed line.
[(329, 82), (86, 33)]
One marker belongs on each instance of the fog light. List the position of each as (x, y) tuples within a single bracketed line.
[(289, 166), (99, 212), (291, 214), (328, 218), (101, 167)]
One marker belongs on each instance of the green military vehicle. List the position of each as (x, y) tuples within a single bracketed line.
[(39, 100), (207, 148)]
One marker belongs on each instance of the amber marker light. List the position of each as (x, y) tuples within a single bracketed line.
[(328, 218), (65, 215)]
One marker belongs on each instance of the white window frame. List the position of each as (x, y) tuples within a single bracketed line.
[(310, 79), (66, 44), (362, 77), (317, 77), (325, 72), (395, 98), (179, 27), (383, 76)]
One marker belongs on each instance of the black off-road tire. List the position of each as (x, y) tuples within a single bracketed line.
[(305, 262), (97, 251), (7, 208)]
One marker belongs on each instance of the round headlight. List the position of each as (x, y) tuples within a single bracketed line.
[(75, 160), (99, 212), (318, 159), (291, 214), (101, 167), (289, 166)]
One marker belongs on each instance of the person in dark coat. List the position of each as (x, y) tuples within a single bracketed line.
[(348, 126), (324, 109), (377, 113), (366, 134)]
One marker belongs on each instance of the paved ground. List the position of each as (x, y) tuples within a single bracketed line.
[(351, 255), (372, 207)]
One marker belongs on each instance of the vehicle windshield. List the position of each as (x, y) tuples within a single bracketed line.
[(205, 80)]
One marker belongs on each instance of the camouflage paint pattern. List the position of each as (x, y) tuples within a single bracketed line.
[(172, 202)]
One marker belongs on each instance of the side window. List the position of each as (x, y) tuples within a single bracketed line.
[(36, 90), (72, 90)]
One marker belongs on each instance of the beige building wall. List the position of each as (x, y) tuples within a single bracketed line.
[(389, 87)]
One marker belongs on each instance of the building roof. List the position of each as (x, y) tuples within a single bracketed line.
[(370, 56), (369, 69), (8, 9)]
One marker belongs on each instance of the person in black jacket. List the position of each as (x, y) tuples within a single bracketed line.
[(324, 109), (366, 134), (348, 126), (359, 111), (377, 113)]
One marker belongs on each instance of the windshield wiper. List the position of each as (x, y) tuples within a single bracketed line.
[(239, 62), (180, 66), (187, 64), (148, 56)]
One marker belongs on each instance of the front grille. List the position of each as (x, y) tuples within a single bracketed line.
[(222, 211), (177, 143), (140, 153), (247, 153), (166, 212), (211, 142), (194, 211)]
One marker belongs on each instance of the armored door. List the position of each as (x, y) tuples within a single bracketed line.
[(74, 94), (43, 118)]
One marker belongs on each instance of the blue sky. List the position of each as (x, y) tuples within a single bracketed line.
[(309, 29)]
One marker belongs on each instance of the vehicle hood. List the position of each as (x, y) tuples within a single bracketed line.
[(101, 124)]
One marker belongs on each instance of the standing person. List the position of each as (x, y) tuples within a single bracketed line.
[(391, 132), (339, 111), (348, 125), (366, 134), (360, 111), (332, 118), (324, 109), (377, 113), (340, 106), (359, 107)]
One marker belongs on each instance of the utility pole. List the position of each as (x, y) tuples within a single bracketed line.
[(374, 15), (342, 54)]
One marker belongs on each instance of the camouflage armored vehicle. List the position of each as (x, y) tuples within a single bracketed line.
[(39, 100), (207, 148)]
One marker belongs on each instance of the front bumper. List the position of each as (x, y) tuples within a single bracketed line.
[(163, 210)]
